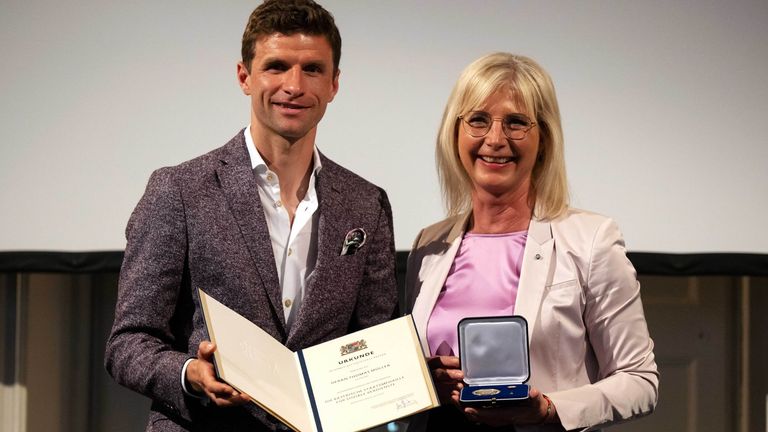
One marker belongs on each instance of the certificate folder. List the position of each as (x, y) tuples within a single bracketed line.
[(351, 383)]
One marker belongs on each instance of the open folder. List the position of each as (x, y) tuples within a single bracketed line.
[(351, 383)]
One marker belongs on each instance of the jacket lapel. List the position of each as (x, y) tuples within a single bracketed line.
[(435, 269), (241, 191), (330, 235), (535, 272)]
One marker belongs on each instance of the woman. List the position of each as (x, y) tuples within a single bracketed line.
[(512, 245)]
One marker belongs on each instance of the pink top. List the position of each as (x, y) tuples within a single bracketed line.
[(482, 282)]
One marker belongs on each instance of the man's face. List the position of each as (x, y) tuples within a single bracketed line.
[(291, 80)]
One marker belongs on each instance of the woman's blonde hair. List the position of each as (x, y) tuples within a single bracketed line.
[(532, 84)]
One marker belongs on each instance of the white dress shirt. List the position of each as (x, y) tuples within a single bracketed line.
[(294, 246)]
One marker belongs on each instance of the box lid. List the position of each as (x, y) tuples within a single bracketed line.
[(494, 350)]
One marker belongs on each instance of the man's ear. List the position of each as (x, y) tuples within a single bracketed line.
[(335, 84), (244, 78)]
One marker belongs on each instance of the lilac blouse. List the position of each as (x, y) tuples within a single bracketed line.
[(482, 281)]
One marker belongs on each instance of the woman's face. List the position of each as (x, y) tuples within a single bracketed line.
[(496, 164)]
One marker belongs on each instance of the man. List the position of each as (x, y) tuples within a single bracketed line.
[(265, 224)]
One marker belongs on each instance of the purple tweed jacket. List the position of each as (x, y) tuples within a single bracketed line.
[(201, 225)]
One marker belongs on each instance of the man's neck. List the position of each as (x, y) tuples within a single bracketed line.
[(292, 161)]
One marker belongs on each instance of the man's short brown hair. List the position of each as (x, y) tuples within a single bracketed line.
[(289, 17)]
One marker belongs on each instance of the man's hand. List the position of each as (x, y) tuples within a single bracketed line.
[(448, 378), (202, 379)]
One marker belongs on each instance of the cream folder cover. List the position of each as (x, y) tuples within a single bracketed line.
[(351, 383)]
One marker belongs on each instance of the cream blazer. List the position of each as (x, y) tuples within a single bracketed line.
[(589, 344)]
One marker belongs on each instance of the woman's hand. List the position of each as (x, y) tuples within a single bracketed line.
[(536, 409), (202, 379), (448, 377)]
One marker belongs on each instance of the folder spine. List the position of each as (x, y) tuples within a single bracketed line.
[(308, 384)]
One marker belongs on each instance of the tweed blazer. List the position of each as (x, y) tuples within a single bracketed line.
[(590, 350), (201, 225)]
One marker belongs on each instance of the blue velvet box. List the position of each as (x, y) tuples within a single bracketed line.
[(494, 357)]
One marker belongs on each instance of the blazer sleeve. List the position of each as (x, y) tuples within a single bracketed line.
[(628, 380), (145, 351), (377, 297)]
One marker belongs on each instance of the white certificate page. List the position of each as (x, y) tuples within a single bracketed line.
[(370, 377)]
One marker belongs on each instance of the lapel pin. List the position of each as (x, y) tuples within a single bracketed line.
[(354, 240)]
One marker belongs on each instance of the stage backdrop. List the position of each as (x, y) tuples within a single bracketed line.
[(664, 108)]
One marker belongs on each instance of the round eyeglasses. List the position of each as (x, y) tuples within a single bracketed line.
[(478, 124)]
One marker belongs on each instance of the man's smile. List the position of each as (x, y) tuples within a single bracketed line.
[(290, 105)]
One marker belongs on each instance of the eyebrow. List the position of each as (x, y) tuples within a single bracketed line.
[(311, 62), (511, 114), (274, 62), (317, 64)]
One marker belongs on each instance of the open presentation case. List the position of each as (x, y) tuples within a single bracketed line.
[(494, 358)]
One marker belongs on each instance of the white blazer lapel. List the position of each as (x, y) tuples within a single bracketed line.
[(433, 272), (535, 272)]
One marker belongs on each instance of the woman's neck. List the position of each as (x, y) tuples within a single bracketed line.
[(498, 215)]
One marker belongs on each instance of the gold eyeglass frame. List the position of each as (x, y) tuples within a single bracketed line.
[(471, 131)]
